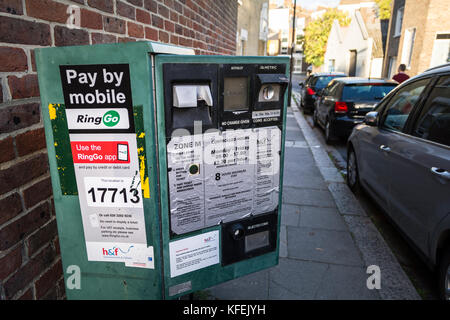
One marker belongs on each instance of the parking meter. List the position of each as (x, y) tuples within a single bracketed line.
[(166, 167)]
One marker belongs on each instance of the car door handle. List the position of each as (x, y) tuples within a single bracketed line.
[(385, 148), (441, 172)]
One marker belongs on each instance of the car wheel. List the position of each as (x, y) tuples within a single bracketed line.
[(328, 134), (444, 275), (352, 171)]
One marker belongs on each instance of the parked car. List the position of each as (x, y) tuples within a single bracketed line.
[(310, 89), (401, 156), (345, 102)]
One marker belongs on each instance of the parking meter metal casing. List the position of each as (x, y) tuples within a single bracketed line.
[(150, 88)]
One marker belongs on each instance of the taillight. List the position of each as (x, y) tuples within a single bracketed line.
[(340, 107), (310, 91)]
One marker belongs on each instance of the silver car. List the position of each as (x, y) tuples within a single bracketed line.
[(401, 156)]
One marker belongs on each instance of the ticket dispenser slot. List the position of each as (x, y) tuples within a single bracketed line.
[(190, 96), (191, 103)]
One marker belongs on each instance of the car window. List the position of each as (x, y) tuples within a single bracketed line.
[(361, 92), (313, 81), (400, 105), (332, 88), (323, 81), (434, 121)]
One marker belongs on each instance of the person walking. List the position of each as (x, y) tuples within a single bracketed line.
[(401, 75)]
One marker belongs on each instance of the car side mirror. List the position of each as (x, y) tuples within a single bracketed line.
[(371, 118)]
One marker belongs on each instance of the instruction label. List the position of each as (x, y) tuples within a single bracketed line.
[(110, 196), (222, 176), (194, 253)]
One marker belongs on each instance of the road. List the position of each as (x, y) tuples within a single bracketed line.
[(423, 279)]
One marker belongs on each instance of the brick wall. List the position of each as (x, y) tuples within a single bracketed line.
[(30, 263)]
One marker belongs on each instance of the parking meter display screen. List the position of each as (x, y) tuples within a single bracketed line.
[(235, 93)]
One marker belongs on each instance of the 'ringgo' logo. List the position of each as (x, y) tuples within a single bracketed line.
[(111, 118)]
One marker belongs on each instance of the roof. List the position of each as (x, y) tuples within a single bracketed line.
[(373, 28), (355, 80)]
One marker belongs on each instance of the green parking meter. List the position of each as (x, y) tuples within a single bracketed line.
[(166, 167)]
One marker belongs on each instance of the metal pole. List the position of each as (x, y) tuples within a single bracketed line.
[(292, 53)]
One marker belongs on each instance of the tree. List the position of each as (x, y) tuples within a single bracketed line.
[(317, 32), (384, 9)]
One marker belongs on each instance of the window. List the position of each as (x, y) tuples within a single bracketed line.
[(408, 46), (401, 104), (332, 88), (331, 65), (323, 81), (441, 50), (398, 22), (366, 92), (434, 120)]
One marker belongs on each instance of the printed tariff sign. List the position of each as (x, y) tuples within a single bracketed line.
[(104, 150)]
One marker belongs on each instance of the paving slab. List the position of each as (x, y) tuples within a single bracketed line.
[(308, 197), (395, 284), (319, 245), (345, 283), (302, 176), (321, 218), (254, 286), (294, 279), (290, 215)]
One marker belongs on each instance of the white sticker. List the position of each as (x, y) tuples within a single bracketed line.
[(143, 259), (105, 118), (133, 255), (194, 253), (112, 192), (110, 195), (94, 220), (266, 114)]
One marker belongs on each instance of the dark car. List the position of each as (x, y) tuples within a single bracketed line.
[(310, 90), (345, 101), (400, 155)]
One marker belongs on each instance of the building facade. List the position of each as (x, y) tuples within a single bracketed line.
[(30, 263), (252, 27), (356, 49), (419, 36)]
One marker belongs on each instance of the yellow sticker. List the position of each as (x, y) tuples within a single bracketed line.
[(144, 182), (52, 111)]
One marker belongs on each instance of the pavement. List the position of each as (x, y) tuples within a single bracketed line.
[(327, 241)]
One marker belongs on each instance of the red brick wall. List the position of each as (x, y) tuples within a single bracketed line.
[(30, 263)]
